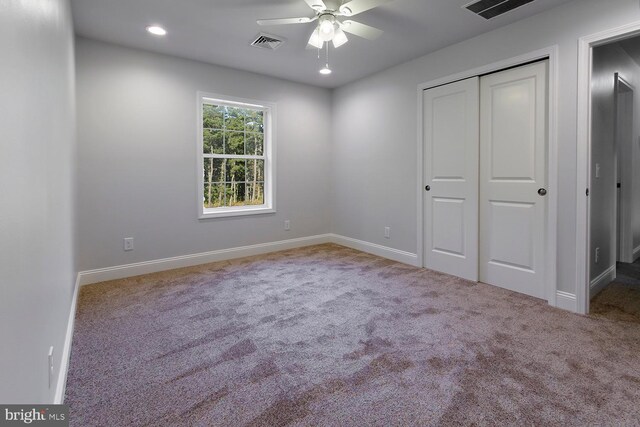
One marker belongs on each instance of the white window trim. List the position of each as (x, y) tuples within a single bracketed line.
[(269, 205)]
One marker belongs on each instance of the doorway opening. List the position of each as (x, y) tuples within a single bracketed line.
[(614, 188)]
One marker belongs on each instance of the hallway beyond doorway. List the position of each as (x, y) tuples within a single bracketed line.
[(620, 300)]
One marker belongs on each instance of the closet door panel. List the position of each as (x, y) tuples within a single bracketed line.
[(513, 172), (451, 143)]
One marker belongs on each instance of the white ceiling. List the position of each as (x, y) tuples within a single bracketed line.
[(219, 32)]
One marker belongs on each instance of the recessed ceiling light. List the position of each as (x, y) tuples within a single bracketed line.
[(156, 30)]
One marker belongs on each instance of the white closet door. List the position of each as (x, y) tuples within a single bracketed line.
[(451, 143), (513, 173)]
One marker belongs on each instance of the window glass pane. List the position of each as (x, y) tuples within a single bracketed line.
[(235, 194), (234, 142), (234, 118), (254, 121), (212, 142), (255, 170), (232, 131), (214, 170), (255, 144), (254, 193), (235, 170), (213, 195), (212, 116)]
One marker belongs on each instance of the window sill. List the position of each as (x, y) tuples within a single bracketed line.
[(230, 212)]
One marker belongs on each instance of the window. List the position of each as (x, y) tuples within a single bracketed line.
[(235, 149)]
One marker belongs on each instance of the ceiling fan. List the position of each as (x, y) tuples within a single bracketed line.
[(331, 25)]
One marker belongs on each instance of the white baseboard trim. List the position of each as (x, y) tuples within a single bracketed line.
[(129, 270), (636, 254), (66, 350), (600, 282), (375, 249), (566, 301)]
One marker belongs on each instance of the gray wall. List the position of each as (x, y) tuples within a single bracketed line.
[(375, 121), (37, 147), (137, 156), (607, 60)]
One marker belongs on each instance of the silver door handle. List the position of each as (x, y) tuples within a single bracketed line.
[(542, 192)]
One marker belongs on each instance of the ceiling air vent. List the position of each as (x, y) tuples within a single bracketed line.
[(491, 8), (267, 41)]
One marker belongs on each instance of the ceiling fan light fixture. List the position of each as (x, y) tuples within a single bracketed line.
[(330, 28), (327, 27), (315, 39), (339, 38)]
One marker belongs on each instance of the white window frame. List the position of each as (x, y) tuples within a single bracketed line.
[(269, 150)]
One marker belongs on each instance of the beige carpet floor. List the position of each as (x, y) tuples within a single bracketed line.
[(328, 336)]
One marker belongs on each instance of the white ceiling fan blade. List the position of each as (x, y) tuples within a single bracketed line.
[(361, 30), (355, 7), (284, 21), (316, 5)]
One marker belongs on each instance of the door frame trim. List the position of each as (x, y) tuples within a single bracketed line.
[(550, 53), (583, 169)]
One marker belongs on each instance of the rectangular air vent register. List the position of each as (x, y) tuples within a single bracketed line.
[(491, 8), (267, 41)]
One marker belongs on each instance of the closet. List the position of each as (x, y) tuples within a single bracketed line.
[(485, 178)]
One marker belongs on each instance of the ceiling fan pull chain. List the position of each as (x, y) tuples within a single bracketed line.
[(326, 70)]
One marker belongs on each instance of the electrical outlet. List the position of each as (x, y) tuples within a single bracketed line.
[(597, 170), (287, 225), (128, 243), (597, 255), (387, 232), (50, 366)]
